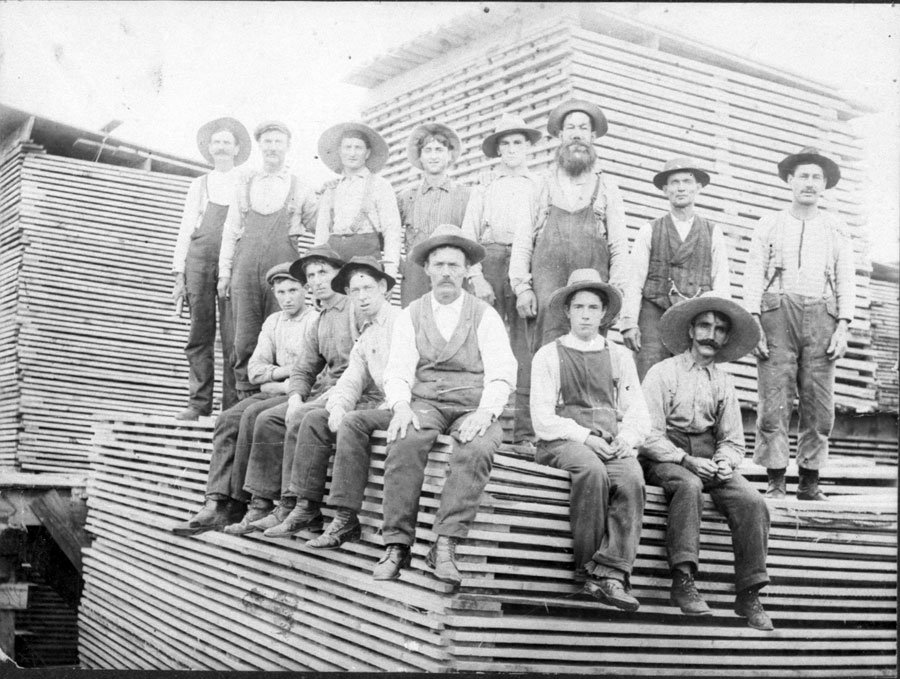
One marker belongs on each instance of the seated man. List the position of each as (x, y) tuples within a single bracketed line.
[(450, 370), (696, 444), (330, 336), (589, 416), (269, 367), (359, 390)]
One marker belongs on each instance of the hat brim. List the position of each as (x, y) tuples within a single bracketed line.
[(412, 143), (829, 167), (329, 146), (557, 115), (612, 297), (491, 142), (676, 322), (660, 178), (342, 279), (297, 268), (205, 133), (474, 251)]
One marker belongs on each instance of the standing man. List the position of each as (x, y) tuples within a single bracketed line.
[(581, 221), (269, 367), (589, 415), (675, 257), (225, 143), (502, 204), (799, 284), (275, 207), (358, 210), (432, 148), (696, 444), (355, 408), (450, 370)]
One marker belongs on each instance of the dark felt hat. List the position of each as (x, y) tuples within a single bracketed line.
[(323, 252), (675, 323), (367, 262), (811, 155), (412, 144), (681, 164), (241, 136), (558, 115), (330, 144), (447, 235)]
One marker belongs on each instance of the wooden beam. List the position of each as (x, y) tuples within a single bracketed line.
[(14, 596), (57, 517)]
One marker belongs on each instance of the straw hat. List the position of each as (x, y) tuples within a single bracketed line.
[(330, 143), (412, 143), (558, 115), (372, 266), (443, 235), (675, 323), (682, 164), (241, 136), (811, 154), (509, 124), (589, 279), (298, 268)]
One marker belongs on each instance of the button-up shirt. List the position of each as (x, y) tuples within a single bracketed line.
[(368, 359), (280, 341), (267, 193), (557, 188), (221, 188), (639, 266), (808, 244), (683, 395), (493, 343), (342, 201), (631, 411), (433, 203)]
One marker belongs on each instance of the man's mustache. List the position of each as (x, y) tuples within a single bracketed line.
[(709, 343)]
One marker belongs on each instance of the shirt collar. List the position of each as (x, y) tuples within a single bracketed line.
[(687, 360), (503, 171), (596, 344), (455, 305), (443, 185), (337, 302), (283, 173), (295, 319), (361, 173)]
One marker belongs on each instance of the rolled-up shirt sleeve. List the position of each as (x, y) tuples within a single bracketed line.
[(189, 220), (500, 364), (400, 372)]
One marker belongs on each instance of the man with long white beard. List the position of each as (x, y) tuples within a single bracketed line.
[(580, 224)]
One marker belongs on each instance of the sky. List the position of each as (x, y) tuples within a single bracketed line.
[(165, 68)]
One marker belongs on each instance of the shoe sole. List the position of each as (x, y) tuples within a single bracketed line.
[(600, 596)]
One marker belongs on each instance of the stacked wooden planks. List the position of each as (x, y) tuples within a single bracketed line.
[(885, 331), (153, 600), (659, 106)]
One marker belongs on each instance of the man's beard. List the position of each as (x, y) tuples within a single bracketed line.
[(576, 158)]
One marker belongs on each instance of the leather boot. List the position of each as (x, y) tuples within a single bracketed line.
[(396, 557), (213, 516), (442, 558), (777, 484), (611, 592), (305, 514), (260, 507), (808, 488), (747, 605), (344, 527), (189, 414), (684, 594), (277, 515)]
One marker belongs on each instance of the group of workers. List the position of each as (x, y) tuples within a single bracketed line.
[(508, 290)]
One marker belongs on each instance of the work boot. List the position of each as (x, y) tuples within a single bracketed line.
[(305, 514), (189, 414), (684, 594), (442, 558), (260, 507), (396, 557), (808, 488), (611, 592), (213, 516), (747, 605), (276, 516), (344, 527), (777, 484)]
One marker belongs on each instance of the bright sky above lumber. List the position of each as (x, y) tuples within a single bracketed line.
[(164, 68)]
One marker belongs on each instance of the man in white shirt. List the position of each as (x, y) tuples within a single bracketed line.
[(358, 213), (590, 416), (225, 143), (677, 256), (450, 370)]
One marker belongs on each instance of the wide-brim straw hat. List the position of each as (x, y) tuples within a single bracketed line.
[(676, 322), (447, 235), (241, 135), (557, 115), (280, 272), (330, 143), (810, 154), (322, 252), (589, 279), (682, 164), (367, 262), (412, 143), (509, 124)]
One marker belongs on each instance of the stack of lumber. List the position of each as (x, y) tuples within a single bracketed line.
[(885, 331), (740, 125), (47, 630), (153, 600)]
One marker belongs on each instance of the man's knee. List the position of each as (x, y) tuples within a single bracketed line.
[(357, 422)]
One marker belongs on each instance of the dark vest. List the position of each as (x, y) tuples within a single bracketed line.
[(687, 265), (448, 371)]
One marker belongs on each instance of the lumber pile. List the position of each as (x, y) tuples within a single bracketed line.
[(885, 331), (153, 600)]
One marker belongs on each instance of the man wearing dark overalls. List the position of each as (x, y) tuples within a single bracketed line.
[(225, 143), (358, 213), (432, 148), (589, 416), (275, 209), (580, 224), (675, 257)]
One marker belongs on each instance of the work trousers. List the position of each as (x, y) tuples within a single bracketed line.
[(606, 506), (350, 471), (798, 332), (468, 473), (232, 438), (652, 348), (743, 507)]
